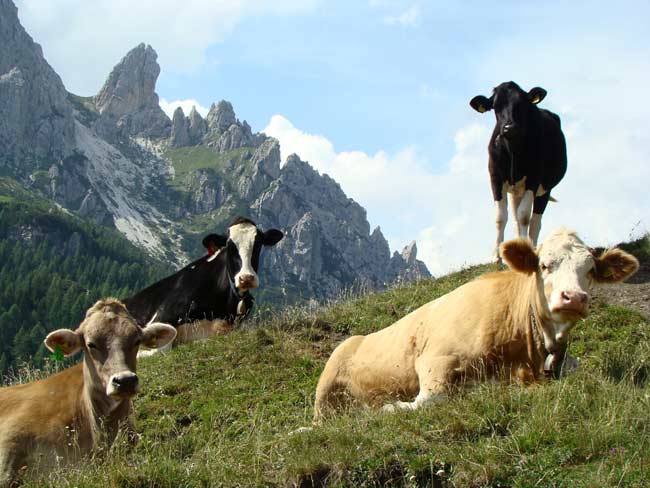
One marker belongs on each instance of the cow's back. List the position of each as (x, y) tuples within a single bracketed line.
[(466, 322)]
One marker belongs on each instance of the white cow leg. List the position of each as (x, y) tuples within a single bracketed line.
[(515, 200), (535, 227), (524, 210), (501, 221)]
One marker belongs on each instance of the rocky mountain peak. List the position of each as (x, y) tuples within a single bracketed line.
[(180, 133), (36, 120), (127, 103), (409, 253), (221, 116)]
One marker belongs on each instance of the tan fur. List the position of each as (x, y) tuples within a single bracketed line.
[(498, 325), (201, 329), (59, 418)]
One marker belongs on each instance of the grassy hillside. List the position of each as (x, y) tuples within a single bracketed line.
[(218, 413)]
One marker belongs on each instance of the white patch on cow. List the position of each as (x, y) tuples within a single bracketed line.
[(501, 221), (243, 236), (524, 209), (566, 262)]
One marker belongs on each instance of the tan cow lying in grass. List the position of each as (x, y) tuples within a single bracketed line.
[(503, 323), (68, 414)]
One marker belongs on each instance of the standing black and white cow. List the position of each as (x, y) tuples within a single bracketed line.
[(527, 157), (208, 295)]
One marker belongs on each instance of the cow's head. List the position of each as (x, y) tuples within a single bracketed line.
[(243, 245), (512, 107), (110, 338), (568, 268)]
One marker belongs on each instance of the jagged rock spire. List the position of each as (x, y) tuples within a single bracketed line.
[(128, 103)]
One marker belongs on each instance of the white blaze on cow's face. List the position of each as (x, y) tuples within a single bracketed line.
[(567, 267), (243, 237), (110, 339)]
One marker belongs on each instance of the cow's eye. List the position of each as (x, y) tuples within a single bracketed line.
[(544, 267), (92, 345)]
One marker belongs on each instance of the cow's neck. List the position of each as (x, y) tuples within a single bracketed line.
[(100, 412)]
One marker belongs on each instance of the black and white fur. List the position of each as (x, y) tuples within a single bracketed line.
[(214, 287), (527, 157)]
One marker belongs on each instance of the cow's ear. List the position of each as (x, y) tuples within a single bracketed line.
[(67, 341), (536, 95), (614, 265), (520, 255), (271, 237), (214, 240), (481, 104), (158, 335)]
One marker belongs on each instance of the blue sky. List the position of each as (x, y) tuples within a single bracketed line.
[(375, 93)]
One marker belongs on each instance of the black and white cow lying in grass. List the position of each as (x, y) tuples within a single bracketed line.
[(206, 297)]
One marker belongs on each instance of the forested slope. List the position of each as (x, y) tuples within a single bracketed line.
[(53, 266)]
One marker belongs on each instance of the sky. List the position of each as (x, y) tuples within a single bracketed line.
[(375, 93)]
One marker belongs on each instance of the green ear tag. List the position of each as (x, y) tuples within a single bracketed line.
[(57, 355)]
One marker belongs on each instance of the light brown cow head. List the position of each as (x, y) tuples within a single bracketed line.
[(568, 269), (110, 338)]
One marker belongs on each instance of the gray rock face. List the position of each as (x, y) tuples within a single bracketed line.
[(127, 103), (102, 159), (180, 135), (197, 128), (220, 117), (224, 132), (36, 123), (327, 246)]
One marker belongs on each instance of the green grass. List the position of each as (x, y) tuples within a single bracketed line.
[(219, 413), (186, 160)]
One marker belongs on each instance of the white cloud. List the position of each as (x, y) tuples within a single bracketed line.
[(186, 105), (84, 39), (403, 195), (408, 18)]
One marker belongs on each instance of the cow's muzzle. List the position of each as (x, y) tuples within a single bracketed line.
[(123, 385), (572, 302), (246, 282), (510, 131)]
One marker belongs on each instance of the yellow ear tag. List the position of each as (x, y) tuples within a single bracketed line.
[(608, 273), (536, 100), (482, 109)]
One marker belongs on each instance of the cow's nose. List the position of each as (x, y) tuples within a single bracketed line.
[(126, 382), (574, 300), (246, 281), (509, 130)]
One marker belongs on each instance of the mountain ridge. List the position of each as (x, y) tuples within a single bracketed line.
[(120, 161)]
